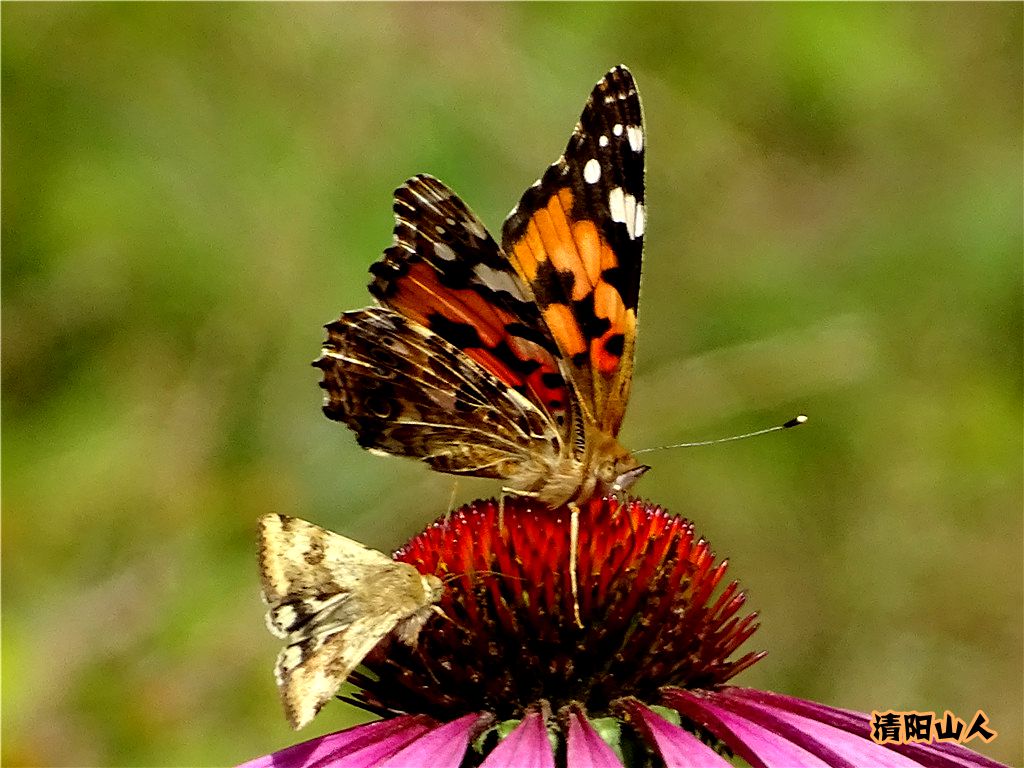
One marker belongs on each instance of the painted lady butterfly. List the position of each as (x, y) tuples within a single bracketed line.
[(510, 362)]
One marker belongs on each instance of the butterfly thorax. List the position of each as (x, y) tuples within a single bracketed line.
[(606, 468)]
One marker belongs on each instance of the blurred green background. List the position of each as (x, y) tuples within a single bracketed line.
[(191, 191)]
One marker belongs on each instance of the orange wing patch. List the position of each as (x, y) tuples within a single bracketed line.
[(565, 329), (576, 238), (480, 329), (564, 262)]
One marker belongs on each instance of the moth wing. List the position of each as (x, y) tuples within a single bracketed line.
[(310, 672), (406, 391), (307, 570), (576, 239)]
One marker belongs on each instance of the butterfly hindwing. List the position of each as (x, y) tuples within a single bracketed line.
[(576, 238), (406, 391), (446, 272)]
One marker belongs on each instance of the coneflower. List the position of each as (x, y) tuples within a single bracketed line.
[(504, 676)]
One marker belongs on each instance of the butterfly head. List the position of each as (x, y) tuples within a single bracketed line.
[(614, 469)]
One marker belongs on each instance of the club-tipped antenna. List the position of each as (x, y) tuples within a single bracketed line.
[(796, 421)]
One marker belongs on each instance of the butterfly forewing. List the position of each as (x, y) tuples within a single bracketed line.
[(576, 238), (445, 272)]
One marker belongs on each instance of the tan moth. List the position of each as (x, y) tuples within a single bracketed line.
[(332, 600)]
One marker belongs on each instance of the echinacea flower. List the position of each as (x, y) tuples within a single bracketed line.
[(504, 676)]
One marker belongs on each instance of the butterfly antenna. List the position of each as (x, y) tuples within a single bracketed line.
[(796, 421)]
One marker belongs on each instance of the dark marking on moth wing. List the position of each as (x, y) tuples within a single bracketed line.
[(316, 553)]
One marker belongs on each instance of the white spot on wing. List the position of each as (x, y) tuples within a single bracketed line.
[(623, 208), (497, 280), (617, 129), (603, 141), (443, 251), (636, 137), (475, 228), (285, 615), (641, 220), (592, 171), (616, 204), (289, 658)]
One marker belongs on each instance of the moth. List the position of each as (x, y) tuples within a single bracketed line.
[(332, 600), (509, 361)]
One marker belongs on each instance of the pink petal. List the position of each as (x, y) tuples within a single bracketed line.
[(678, 747), (836, 746), (441, 747), (362, 745), (757, 745), (768, 737), (943, 755), (526, 747), (586, 749)]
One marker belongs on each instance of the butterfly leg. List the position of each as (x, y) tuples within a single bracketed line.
[(574, 543), (451, 499), (506, 491), (440, 612)]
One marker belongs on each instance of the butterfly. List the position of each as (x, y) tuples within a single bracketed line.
[(509, 361), (332, 600)]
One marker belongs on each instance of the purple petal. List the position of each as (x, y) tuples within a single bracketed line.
[(441, 747), (941, 755), (362, 745), (678, 747), (778, 738), (586, 749), (526, 747), (758, 746)]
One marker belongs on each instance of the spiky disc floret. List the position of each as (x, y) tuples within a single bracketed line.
[(508, 637)]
